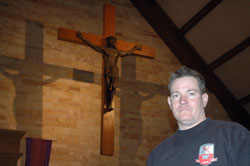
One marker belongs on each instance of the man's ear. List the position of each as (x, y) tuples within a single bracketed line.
[(205, 99), (169, 102)]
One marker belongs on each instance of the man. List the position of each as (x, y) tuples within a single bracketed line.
[(199, 140), (110, 55)]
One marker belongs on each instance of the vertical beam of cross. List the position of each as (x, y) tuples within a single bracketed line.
[(107, 119)]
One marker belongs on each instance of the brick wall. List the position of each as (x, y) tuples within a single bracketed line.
[(52, 89)]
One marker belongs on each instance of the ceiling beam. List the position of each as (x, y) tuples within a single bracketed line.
[(198, 17), (230, 54), (245, 100), (188, 56)]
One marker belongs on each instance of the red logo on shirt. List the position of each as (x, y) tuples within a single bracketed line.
[(206, 154)]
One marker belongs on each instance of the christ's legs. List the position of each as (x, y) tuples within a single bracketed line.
[(108, 93)]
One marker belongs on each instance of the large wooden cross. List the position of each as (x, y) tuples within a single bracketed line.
[(107, 118)]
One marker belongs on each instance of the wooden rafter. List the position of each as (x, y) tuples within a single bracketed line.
[(245, 100), (188, 56), (198, 17), (230, 54)]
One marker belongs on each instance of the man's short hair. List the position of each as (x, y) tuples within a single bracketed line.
[(187, 72)]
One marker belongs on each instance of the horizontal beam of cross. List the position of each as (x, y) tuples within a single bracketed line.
[(70, 36)]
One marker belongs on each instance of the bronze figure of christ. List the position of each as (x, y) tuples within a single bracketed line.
[(110, 55)]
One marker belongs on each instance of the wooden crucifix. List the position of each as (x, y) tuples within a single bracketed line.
[(107, 115)]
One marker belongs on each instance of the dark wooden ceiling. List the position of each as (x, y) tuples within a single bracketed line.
[(227, 74)]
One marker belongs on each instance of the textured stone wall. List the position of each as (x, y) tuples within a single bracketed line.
[(52, 89)]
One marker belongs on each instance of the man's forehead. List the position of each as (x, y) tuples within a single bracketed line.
[(185, 83), (185, 90)]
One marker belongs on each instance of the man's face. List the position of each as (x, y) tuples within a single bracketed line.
[(187, 103)]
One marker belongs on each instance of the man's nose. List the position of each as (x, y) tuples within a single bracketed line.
[(183, 99)]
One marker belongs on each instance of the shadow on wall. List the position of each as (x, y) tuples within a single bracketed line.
[(130, 117), (27, 77), (132, 97)]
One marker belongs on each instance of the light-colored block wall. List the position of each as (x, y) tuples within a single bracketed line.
[(52, 89)]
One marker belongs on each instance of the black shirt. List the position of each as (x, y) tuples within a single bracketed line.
[(212, 142)]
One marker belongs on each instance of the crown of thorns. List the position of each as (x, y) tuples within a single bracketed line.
[(111, 37)]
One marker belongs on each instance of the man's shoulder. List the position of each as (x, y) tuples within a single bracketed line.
[(228, 126), (225, 123)]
